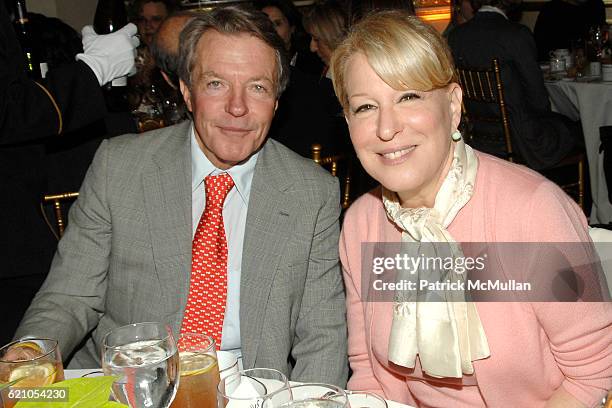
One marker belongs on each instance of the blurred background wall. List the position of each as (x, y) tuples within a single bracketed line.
[(78, 13)]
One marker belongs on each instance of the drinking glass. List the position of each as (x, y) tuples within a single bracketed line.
[(199, 371), (145, 358), (254, 388), (316, 396), (29, 363), (228, 363), (364, 399)]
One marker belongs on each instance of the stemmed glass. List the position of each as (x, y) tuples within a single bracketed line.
[(145, 359), (364, 399), (317, 396), (254, 388)]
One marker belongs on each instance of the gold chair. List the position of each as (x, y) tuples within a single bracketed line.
[(331, 163), (58, 200), (484, 87)]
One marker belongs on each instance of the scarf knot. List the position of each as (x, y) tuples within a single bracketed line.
[(454, 323)]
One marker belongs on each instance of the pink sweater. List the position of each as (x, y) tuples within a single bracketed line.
[(535, 347)]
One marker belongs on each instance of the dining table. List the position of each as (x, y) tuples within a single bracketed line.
[(78, 373), (588, 99)]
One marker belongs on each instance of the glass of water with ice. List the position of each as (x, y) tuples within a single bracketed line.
[(144, 357)]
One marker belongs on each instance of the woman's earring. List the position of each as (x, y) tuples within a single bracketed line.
[(456, 136)]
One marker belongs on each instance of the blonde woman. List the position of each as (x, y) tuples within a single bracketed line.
[(394, 77), (327, 25)]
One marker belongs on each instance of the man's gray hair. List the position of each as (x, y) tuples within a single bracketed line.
[(232, 20)]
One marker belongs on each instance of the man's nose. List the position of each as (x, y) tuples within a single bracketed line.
[(237, 105)]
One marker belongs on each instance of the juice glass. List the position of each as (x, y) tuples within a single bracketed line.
[(31, 363), (199, 371)]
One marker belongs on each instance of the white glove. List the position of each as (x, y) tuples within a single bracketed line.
[(111, 55)]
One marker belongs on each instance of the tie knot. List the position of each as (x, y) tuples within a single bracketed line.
[(217, 188)]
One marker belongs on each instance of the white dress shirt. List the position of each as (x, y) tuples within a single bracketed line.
[(234, 219)]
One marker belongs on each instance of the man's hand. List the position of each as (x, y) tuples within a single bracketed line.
[(110, 56)]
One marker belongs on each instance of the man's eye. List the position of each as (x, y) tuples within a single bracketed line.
[(259, 88), (363, 108), (409, 96), (214, 84)]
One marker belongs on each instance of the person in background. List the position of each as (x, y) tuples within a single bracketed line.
[(288, 23), (147, 87), (150, 14), (541, 137), (165, 45), (31, 114), (461, 11), (135, 248), (327, 24), (357, 9), (304, 115), (565, 24), (165, 51), (395, 78)]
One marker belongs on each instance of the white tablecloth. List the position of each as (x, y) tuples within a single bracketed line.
[(79, 373), (591, 102)]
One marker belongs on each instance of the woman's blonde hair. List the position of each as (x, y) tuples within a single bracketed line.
[(403, 51), (327, 21)]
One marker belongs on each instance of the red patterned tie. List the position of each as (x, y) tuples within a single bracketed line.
[(208, 286)]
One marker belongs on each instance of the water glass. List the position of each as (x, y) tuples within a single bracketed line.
[(254, 388), (199, 372), (228, 363), (145, 358), (317, 396), (364, 399), (35, 362)]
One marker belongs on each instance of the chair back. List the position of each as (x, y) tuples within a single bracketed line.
[(484, 105), (333, 164), (486, 124), (58, 200)]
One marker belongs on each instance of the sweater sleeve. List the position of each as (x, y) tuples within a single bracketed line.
[(363, 378), (579, 333)]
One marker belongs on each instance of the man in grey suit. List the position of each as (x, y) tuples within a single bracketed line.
[(126, 255)]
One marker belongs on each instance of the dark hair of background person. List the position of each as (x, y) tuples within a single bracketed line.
[(232, 20), (510, 7), (136, 7), (293, 16), (357, 9), (300, 40)]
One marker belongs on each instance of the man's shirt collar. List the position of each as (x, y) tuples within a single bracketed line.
[(242, 173)]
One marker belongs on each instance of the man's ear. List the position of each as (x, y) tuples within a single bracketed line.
[(186, 94)]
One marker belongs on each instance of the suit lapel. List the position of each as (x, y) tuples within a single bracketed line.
[(268, 227), (167, 201)]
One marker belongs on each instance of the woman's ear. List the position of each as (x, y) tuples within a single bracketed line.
[(455, 95)]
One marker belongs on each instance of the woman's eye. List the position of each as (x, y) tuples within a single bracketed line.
[(409, 96), (363, 108)]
